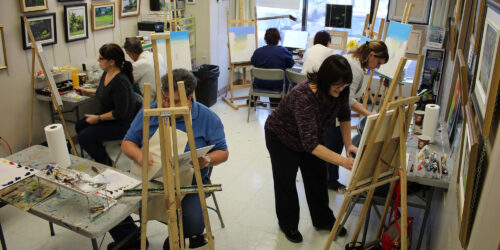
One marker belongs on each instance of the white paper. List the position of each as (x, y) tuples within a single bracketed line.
[(116, 182)]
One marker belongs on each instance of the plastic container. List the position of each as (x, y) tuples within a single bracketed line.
[(75, 78), (206, 89)]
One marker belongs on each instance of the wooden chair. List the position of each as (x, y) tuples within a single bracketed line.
[(265, 74), (294, 78)]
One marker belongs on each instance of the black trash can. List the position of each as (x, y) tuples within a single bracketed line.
[(206, 89)]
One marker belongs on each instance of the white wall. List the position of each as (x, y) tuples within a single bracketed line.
[(15, 80)]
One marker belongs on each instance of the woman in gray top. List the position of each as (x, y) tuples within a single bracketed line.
[(294, 139), (368, 56)]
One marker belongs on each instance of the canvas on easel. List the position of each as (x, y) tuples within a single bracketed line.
[(37, 52), (181, 53), (396, 41), (242, 43)]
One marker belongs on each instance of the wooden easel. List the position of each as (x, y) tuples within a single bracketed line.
[(233, 66), (175, 17), (359, 184), (368, 29), (56, 99), (375, 98), (168, 145)]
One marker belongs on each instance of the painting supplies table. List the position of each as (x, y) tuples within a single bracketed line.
[(70, 210), (71, 100)]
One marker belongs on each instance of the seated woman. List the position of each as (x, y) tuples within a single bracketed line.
[(117, 104), (271, 56), (314, 56)]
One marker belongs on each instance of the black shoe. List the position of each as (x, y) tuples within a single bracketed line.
[(293, 235), (136, 244), (337, 186), (342, 231), (197, 241)]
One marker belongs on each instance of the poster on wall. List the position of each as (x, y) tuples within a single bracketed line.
[(397, 42), (242, 43)]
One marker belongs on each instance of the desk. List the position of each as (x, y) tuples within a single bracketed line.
[(70, 210), (69, 99)]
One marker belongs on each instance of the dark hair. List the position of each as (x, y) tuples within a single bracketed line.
[(334, 68), (272, 36), (180, 75), (133, 44), (111, 51), (363, 51), (322, 37)]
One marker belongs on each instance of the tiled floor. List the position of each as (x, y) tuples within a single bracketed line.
[(247, 202)]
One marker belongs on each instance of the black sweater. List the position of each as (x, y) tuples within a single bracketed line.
[(117, 97)]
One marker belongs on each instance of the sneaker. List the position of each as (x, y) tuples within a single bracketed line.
[(197, 241), (337, 186), (293, 235)]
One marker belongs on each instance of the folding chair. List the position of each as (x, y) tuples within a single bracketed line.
[(208, 194), (265, 74), (294, 78)]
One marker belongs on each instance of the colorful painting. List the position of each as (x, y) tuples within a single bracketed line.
[(455, 113), (11, 172), (43, 28), (129, 8), (103, 16), (487, 78), (181, 52), (242, 43), (27, 193), (435, 38), (33, 5), (75, 22), (396, 41)]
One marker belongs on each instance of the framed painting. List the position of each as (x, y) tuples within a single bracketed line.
[(416, 39), (478, 24), (467, 172), (43, 28), (3, 52), (487, 79), (33, 5), (419, 12), (75, 22), (432, 71), (103, 15), (339, 39), (129, 8)]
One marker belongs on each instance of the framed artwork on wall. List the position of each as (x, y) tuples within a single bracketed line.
[(485, 90), (75, 22), (103, 15), (419, 12), (43, 28), (3, 52), (130, 8), (33, 5), (339, 39)]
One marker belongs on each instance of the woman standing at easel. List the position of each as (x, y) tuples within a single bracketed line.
[(294, 137), (117, 101), (367, 56)]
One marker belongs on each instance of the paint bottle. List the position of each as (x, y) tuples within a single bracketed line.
[(74, 78)]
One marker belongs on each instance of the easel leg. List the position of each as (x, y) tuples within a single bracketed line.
[(94, 244), (32, 97), (429, 195), (386, 208), (402, 159), (337, 222), (66, 131)]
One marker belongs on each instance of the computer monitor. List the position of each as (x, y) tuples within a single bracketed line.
[(338, 16), (295, 39)]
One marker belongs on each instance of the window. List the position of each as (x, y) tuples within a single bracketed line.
[(281, 24)]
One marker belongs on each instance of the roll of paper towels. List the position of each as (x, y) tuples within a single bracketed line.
[(57, 144), (431, 119)]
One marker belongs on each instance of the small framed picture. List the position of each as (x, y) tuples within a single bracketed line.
[(103, 15), (416, 39), (43, 28), (75, 22), (339, 39), (130, 8), (33, 5), (3, 52)]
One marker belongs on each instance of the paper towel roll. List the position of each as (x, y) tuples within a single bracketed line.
[(431, 119), (57, 144)]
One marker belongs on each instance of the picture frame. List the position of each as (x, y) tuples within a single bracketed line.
[(33, 5), (76, 22), (478, 24), (467, 172), (129, 8), (339, 39), (103, 15), (191, 1), (435, 37), (485, 90), (416, 40), (432, 71), (3, 51), (43, 28), (419, 14)]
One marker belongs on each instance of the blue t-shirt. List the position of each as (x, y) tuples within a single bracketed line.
[(207, 130), (271, 57)]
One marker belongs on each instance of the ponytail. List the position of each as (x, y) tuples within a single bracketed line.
[(127, 69)]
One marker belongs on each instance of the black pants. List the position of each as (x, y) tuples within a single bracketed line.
[(334, 142), (285, 163), (91, 137)]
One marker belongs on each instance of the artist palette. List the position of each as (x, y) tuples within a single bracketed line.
[(75, 181), (11, 172)]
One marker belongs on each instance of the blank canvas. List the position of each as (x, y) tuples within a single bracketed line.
[(181, 52)]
